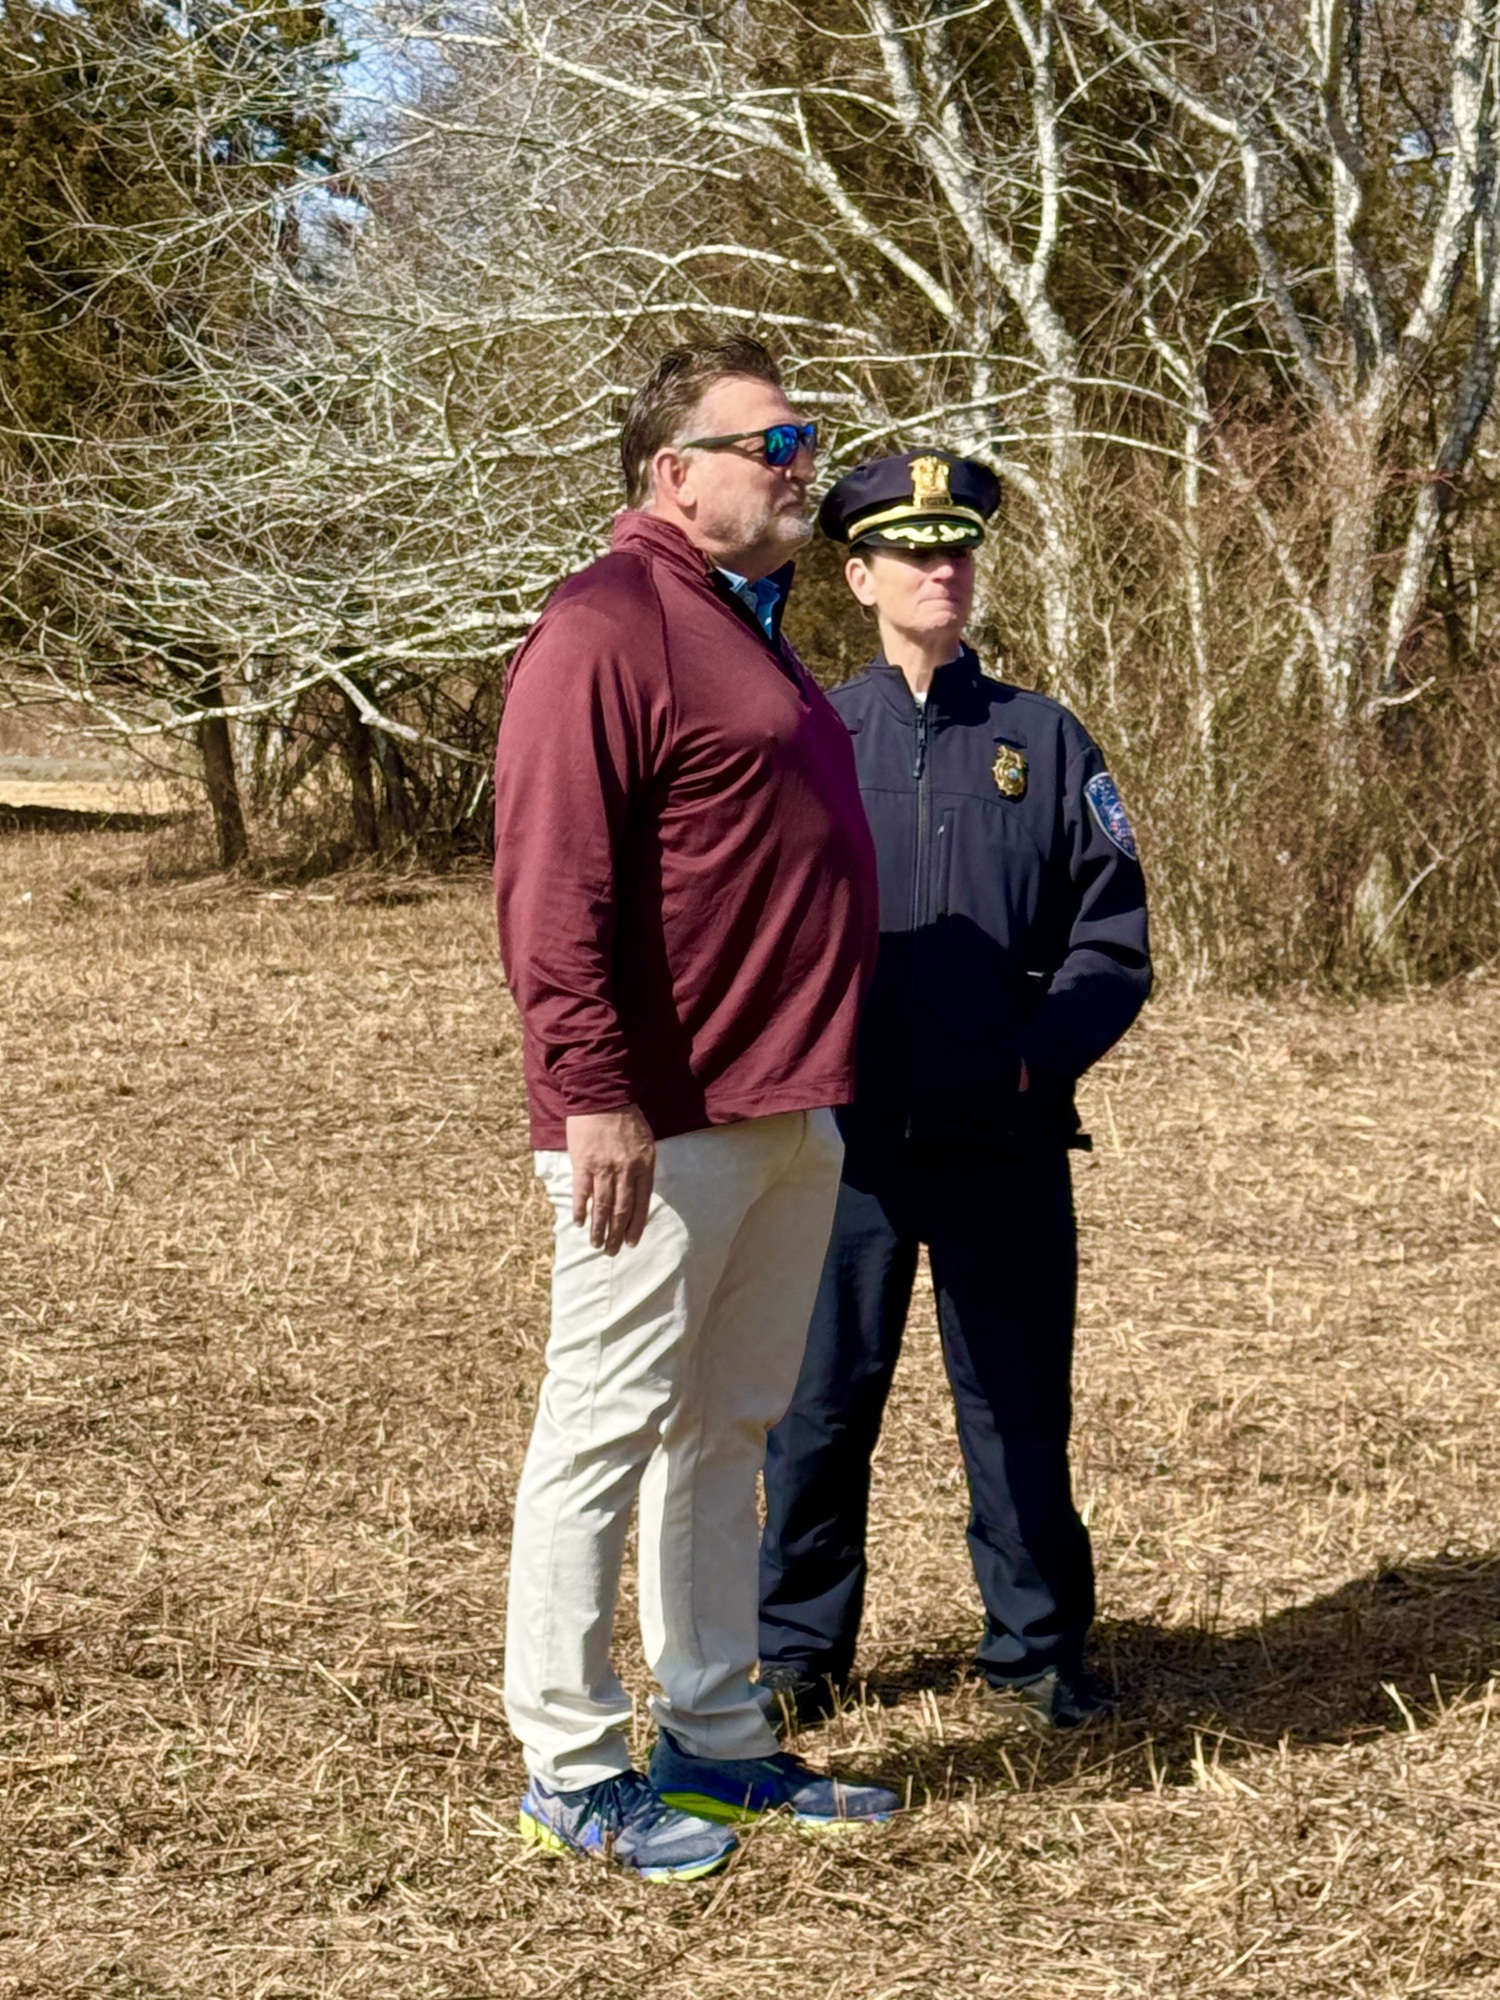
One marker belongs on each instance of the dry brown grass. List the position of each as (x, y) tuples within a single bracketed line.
[(273, 1278)]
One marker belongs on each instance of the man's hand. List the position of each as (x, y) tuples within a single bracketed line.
[(614, 1164)]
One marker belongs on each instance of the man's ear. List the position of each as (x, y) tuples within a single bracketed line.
[(670, 471), (857, 576)]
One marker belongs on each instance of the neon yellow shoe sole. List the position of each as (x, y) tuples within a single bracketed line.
[(534, 1834), (701, 1806), (546, 1840)]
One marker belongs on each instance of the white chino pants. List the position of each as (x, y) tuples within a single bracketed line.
[(666, 1366)]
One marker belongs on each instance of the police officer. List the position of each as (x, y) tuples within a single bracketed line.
[(1013, 953)]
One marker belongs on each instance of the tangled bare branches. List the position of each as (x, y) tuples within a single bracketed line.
[(1216, 294)]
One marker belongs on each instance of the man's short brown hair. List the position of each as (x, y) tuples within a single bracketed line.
[(673, 390)]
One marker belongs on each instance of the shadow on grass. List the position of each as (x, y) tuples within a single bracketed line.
[(1319, 1673), (77, 819)]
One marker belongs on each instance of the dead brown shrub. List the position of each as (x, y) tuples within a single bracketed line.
[(1281, 851)]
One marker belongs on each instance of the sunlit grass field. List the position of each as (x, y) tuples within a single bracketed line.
[(273, 1287)]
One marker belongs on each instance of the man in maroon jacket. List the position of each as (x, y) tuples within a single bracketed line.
[(688, 914)]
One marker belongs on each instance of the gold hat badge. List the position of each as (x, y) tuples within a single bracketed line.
[(929, 483)]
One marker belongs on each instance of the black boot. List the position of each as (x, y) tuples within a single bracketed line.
[(794, 1697), (1058, 1699)]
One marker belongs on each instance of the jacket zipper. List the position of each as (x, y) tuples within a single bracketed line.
[(924, 819), (924, 831)]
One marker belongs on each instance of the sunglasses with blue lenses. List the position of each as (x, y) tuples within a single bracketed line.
[(779, 443)]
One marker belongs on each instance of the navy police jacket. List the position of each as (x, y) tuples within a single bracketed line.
[(1012, 910)]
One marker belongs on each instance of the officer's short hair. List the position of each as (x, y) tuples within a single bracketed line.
[(672, 392)]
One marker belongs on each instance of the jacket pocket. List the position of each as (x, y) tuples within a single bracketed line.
[(943, 835)]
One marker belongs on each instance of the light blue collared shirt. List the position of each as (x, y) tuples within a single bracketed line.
[(761, 597)]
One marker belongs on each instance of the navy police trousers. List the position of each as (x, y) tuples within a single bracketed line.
[(1003, 1249)]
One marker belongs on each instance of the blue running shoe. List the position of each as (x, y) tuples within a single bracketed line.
[(622, 1820), (739, 1788)]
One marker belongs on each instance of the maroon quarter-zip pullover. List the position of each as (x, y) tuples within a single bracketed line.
[(684, 877)]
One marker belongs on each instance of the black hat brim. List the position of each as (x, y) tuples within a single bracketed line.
[(907, 537)]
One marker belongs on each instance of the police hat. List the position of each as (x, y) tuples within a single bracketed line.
[(912, 500)]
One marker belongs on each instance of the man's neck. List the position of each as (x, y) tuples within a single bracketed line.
[(917, 660), (752, 564)]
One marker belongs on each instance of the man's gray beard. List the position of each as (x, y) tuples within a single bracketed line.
[(773, 532), (792, 530)]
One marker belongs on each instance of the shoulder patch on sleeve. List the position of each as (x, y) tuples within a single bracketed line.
[(1108, 808)]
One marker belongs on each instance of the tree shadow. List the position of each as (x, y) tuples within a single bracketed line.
[(82, 819), (1384, 1652)]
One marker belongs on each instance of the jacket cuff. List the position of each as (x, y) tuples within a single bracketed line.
[(582, 1099), (589, 1077), (1049, 1067)]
